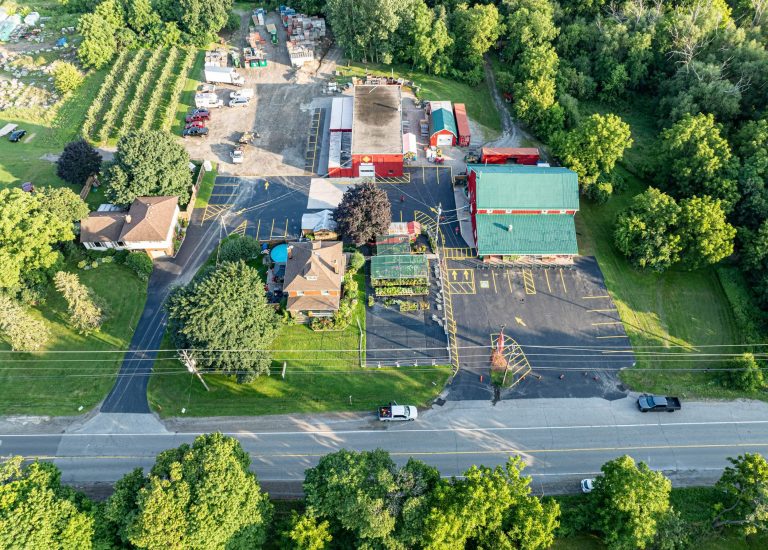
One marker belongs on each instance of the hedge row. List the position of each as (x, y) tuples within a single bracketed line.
[(148, 76), (161, 85), (119, 95), (178, 86), (110, 80), (401, 290), (399, 282)]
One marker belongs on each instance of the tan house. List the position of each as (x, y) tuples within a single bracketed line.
[(313, 275), (149, 224)]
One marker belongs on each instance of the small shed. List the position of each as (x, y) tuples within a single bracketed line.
[(320, 224), (462, 124), (442, 132), (502, 155), (410, 229), (410, 150)]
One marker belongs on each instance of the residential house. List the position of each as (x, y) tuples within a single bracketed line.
[(313, 275), (150, 224)]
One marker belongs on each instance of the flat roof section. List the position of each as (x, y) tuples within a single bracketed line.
[(341, 114), (376, 129)]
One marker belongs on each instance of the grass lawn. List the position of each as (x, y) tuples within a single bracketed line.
[(480, 106), (59, 383), (206, 187), (676, 308), (318, 378)]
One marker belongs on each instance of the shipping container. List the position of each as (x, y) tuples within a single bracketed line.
[(462, 124)]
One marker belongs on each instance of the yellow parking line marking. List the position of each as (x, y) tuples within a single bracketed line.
[(594, 297), (562, 279), (607, 323), (423, 175), (617, 336), (437, 174), (258, 228), (226, 185), (493, 273), (600, 310), (401, 215), (272, 229), (546, 275), (286, 228), (509, 281), (528, 282)]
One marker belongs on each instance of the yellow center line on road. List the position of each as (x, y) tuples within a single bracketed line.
[(600, 310), (594, 297)]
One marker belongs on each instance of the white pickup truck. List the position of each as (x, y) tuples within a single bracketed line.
[(397, 413)]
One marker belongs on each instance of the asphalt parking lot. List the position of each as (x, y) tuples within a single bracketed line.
[(563, 319), (267, 209)]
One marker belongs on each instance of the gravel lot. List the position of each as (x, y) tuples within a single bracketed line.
[(281, 112)]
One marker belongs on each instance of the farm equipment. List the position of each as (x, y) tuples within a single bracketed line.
[(246, 138), (272, 30)]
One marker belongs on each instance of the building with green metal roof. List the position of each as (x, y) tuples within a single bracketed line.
[(523, 210), (443, 131)]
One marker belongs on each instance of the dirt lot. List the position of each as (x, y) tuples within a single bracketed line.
[(281, 112)]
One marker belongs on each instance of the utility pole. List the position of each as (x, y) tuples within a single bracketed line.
[(438, 213), (191, 366)]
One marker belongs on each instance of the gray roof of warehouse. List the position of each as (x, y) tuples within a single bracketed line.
[(376, 126)]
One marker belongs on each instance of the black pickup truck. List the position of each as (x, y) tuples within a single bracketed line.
[(658, 403)]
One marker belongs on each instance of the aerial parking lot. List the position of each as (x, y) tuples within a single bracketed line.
[(563, 319)]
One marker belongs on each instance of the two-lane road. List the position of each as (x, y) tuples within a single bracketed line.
[(568, 438)]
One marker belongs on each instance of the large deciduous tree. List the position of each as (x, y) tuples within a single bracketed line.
[(29, 232), (22, 331), (475, 29), (694, 159), (77, 162), (363, 213), (705, 235), (224, 318), (36, 511), (744, 495), (195, 497), (645, 231), (490, 507), (148, 163), (593, 148), (627, 503), (752, 147), (424, 40), (202, 19)]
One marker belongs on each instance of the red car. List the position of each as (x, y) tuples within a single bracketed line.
[(195, 124), (198, 115)]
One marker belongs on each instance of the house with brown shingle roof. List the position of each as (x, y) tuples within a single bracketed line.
[(313, 275), (149, 224)]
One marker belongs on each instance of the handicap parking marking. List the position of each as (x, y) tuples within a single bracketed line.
[(213, 211), (528, 282)]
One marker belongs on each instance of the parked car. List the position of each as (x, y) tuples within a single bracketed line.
[(195, 124), (194, 132), (397, 413), (587, 485), (245, 92), (16, 135), (658, 403), (239, 102), (198, 115)]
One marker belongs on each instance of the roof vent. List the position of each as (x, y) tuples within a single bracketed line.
[(509, 228), (128, 219)]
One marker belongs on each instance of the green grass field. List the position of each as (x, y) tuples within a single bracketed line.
[(206, 188), (480, 106), (660, 312), (318, 379), (187, 99), (58, 382)]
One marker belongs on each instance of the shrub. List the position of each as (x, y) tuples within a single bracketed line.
[(95, 264), (371, 300), (140, 263), (66, 77), (747, 375), (121, 256), (81, 264), (233, 22), (107, 259), (356, 261), (235, 248), (401, 290)]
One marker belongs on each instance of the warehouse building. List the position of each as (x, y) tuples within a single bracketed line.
[(462, 124), (442, 125), (377, 140), (340, 142), (521, 210)]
